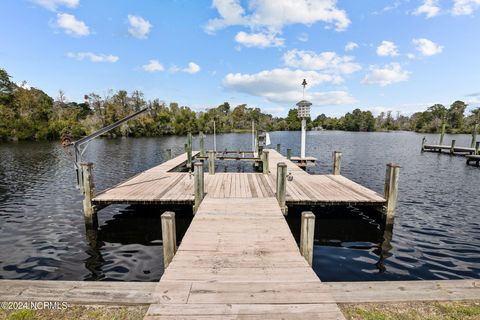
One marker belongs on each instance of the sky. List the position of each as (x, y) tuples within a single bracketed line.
[(398, 55)]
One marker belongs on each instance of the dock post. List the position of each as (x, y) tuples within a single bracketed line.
[(391, 191), (88, 192), (442, 134), (337, 162), (199, 185), (306, 236), (474, 136), (265, 161), (423, 143), (281, 189), (202, 144), (169, 154), (169, 237), (189, 150), (289, 154), (477, 147), (211, 162), (452, 148), (279, 146)]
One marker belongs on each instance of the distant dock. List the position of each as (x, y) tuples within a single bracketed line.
[(471, 153)]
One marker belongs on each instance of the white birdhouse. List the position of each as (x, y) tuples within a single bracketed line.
[(304, 109)]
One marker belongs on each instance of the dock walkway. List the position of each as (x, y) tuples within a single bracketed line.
[(238, 259)]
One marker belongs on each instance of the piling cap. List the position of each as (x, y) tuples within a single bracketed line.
[(281, 164), (393, 165)]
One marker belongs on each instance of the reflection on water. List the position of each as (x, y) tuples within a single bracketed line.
[(436, 233)]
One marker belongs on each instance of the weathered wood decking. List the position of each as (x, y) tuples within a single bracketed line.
[(159, 186), (239, 259), (144, 293)]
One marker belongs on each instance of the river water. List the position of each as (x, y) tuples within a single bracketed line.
[(436, 234)]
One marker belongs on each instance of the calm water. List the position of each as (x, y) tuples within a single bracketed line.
[(436, 233)]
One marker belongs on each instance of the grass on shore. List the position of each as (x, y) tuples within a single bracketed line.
[(452, 310), (78, 312)]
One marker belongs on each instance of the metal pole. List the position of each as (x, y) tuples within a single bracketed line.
[(304, 136)]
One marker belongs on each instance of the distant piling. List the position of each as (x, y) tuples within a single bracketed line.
[(199, 186), (452, 147), (391, 191), (168, 154), (189, 150), (202, 144), (265, 162), (211, 162), (424, 140), (442, 134), (477, 148), (169, 237), (289, 153), (337, 162), (307, 236), (279, 146), (474, 136)]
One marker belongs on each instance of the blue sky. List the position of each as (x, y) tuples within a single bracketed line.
[(399, 55)]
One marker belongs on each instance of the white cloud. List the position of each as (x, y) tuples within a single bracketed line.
[(303, 37), (427, 47), (411, 56), (93, 57), (274, 15), (139, 27), (54, 4), (192, 68), (283, 86), (260, 40), (350, 46), (153, 66), (387, 48), (328, 61), (71, 25), (465, 7), (388, 74), (429, 7)]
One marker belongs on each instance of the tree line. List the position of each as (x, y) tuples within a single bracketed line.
[(29, 113)]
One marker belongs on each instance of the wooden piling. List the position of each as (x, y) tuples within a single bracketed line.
[(199, 185), (474, 136), (442, 134), (307, 236), (281, 187), (477, 147), (189, 150), (265, 162), (168, 154), (211, 162), (337, 162), (289, 154), (88, 192), (452, 147), (169, 237), (391, 191), (202, 144), (423, 143), (279, 146)]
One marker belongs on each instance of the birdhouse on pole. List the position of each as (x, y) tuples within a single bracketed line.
[(303, 114)]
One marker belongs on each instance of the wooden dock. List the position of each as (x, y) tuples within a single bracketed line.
[(159, 185), (238, 258)]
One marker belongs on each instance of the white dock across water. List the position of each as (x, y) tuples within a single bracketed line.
[(238, 258)]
